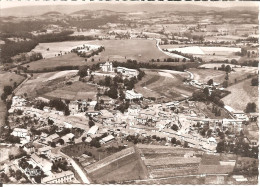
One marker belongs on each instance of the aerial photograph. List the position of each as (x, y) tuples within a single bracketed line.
[(130, 93)]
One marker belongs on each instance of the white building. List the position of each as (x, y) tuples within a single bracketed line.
[(130, 94), (22, 133), (93, 130), (59, 178), (127, 72), (107, 67), (107, 139)]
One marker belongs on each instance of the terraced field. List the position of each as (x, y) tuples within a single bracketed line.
[(167, 84), (163, 161)]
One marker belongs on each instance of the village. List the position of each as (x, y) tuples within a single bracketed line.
[(149, 95), (42, 133)]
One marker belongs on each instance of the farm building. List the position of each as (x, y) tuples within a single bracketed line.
[(63, 177), (130, 94), (107, 139), (19, 132), (127, 72), (68, 137), (93, 130), (44, 164)]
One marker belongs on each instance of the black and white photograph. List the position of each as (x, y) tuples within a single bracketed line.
[(129, 92)]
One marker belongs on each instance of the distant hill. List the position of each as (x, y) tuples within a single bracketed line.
[(114, 6), (51, 13)]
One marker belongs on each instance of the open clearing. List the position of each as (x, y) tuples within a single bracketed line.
[(78, 90), (168, 84), (56, 47), (203, 75), (241, 94), (70, 59), (7, 79), (52, 85)]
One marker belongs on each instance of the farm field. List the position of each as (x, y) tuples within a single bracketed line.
[(163, 161), (42, 83), (242, 93), (56, 47), (7, 79), (203, 75), (169, 84), (70, 59), (127, 168), (78, 90), (121, 50), (206, 53)]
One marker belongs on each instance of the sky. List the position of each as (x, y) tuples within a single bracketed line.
[(18, 3)]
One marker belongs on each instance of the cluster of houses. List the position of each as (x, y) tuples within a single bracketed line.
[(107, 67)]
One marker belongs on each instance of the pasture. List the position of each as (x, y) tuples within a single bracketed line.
[(239, 73), (7, 79), (78, 90), (120, 50), (70, 59), (241, 94), (164, 83), (56, 47), (53, 85)]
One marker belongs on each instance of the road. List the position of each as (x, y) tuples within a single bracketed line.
[(168, 53)]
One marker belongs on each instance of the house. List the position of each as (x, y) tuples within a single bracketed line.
[(130, 94), (92, 113), (107, 139), (46, 109), (107, 67), (54, 157), (44, 164), (240, 115), (73, 107), (29, 148), (67, 125), (93, 130), (59, 178), (52, 138), (127, 72), (44, 150), (68, 137), (19, 132)]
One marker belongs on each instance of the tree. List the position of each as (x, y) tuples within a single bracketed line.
[(226, 77), (225, 84), (250, 107), (254, 82), (174, 127), (83, 139), (8, 90), (18, 175), (178, 142), (220, 147), (206, 91), (185, 145), (173, 140), (112, 93), (66, 111), (210, 81), (228, 69), (53, 144), (91, 123), (209, 132)]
